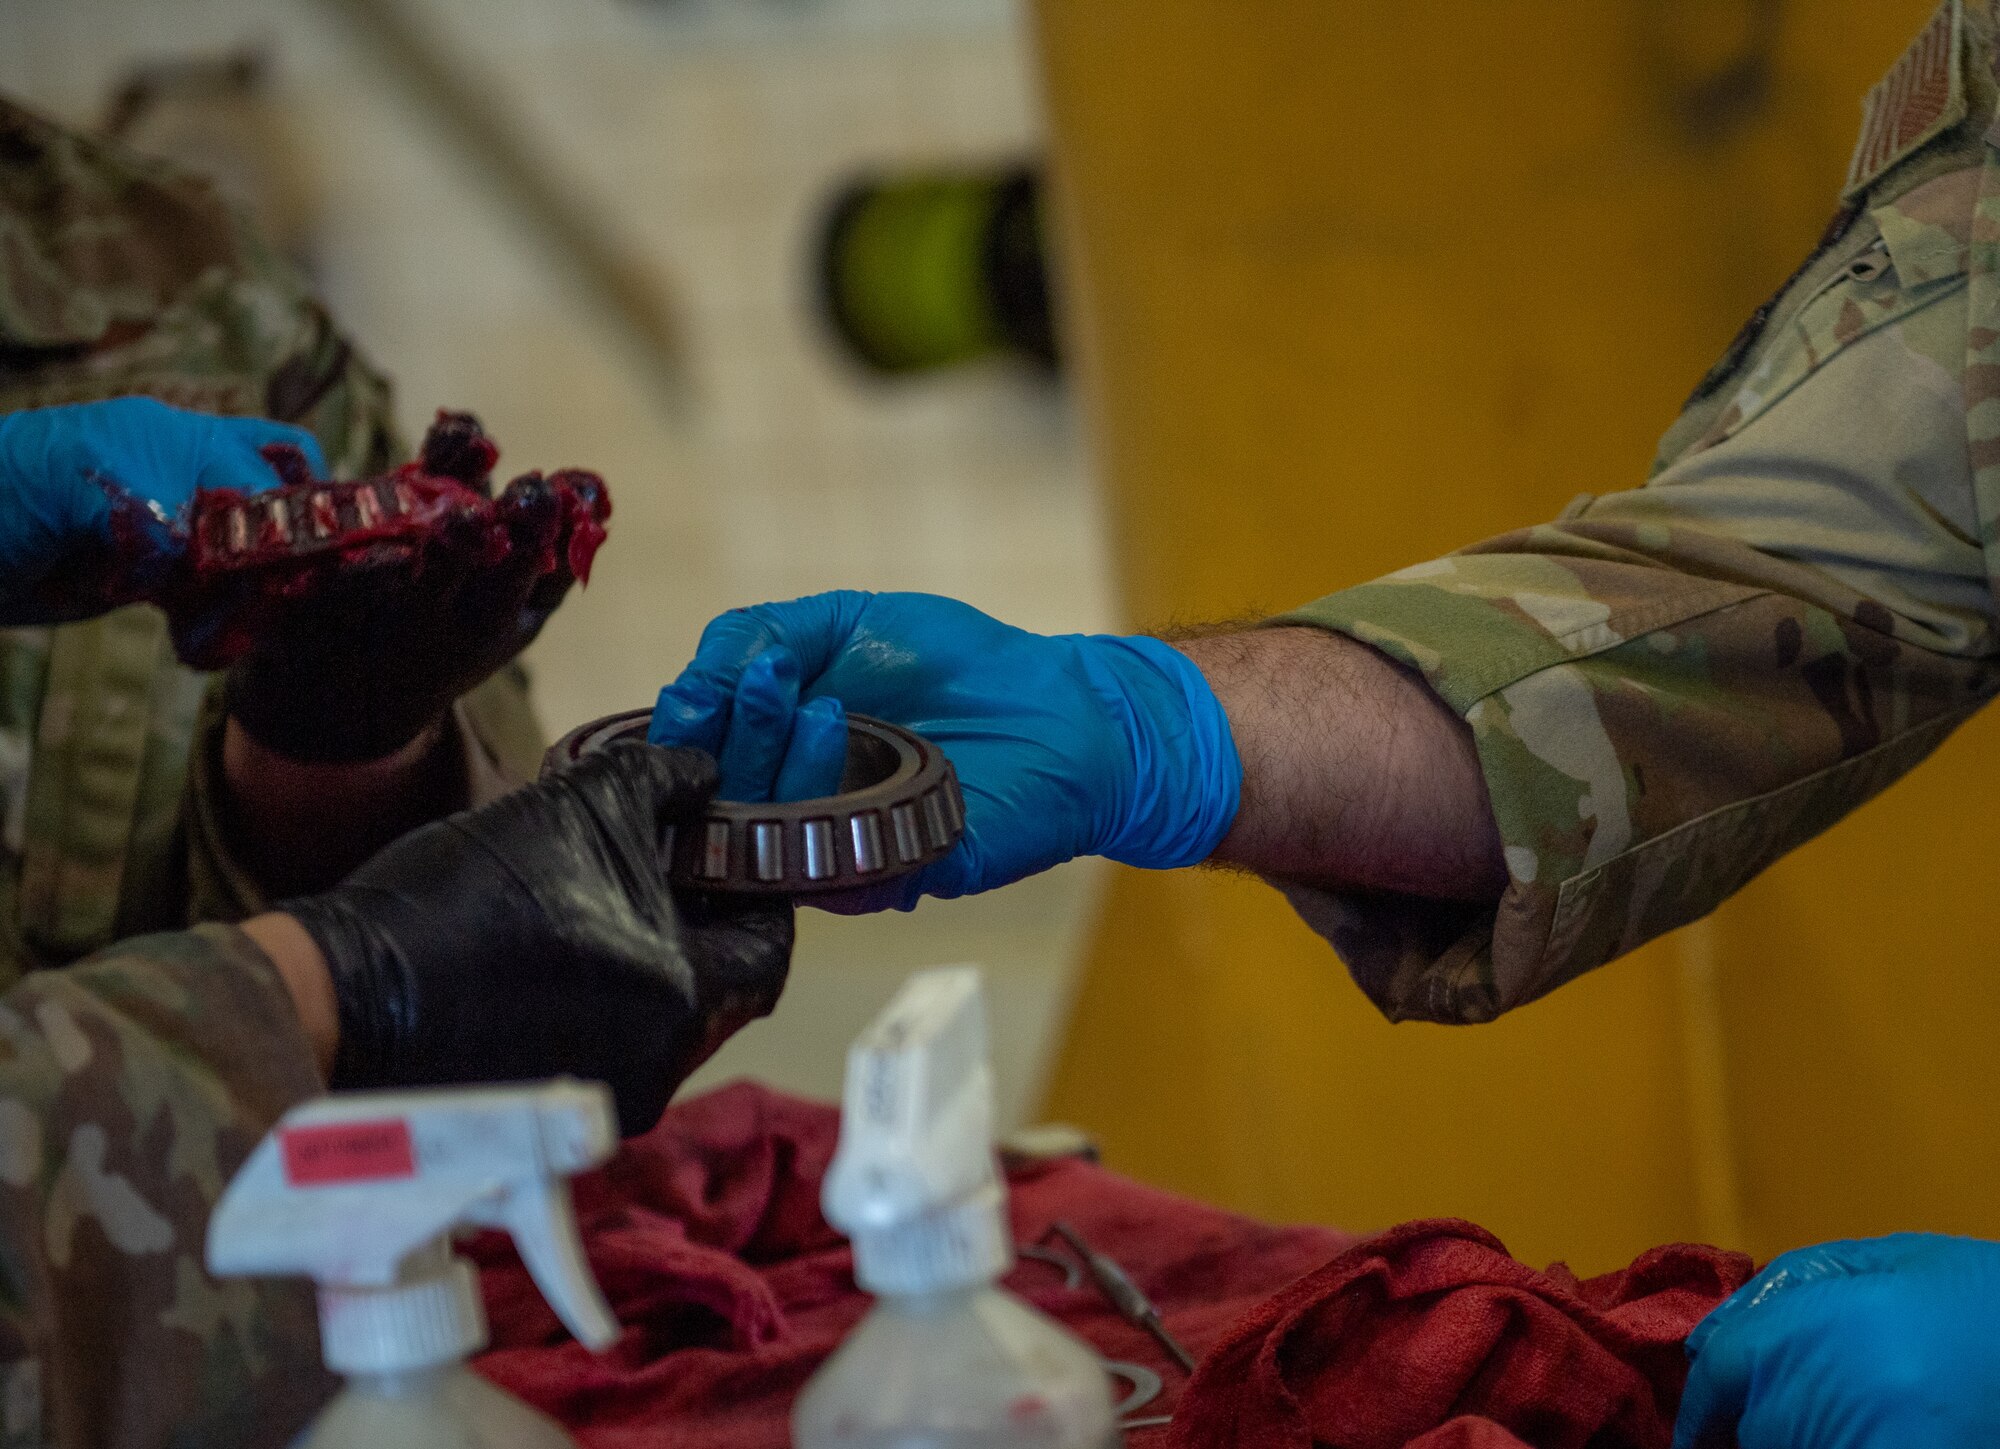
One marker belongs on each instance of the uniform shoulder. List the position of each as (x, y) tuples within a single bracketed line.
[(93, 235), (1929, 113)]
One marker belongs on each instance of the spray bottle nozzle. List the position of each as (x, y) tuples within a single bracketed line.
[(361, 1192), (914, 1183)]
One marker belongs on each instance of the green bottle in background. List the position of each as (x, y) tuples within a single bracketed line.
[(928, 269)]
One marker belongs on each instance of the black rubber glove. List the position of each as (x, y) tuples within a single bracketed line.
[(537, 935)]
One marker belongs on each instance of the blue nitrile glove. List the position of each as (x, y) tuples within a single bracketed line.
[(1880, 1343), (94, 497), (1065, 746)]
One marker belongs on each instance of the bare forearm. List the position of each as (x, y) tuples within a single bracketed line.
[(1355, 775), (300, 828)]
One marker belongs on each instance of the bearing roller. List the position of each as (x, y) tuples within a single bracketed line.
[(899, 808)]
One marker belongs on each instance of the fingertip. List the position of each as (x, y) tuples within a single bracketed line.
[(688, 712), (816, 758), (953, 876), (309, 445), (693, 772), (673, 782), (760, 726), (770, 681), (729, 642), (895, 895), (257, 456), (1717, 1388)]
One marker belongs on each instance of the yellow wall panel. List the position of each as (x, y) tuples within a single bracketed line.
[(1358, 281), (1861, 1014)]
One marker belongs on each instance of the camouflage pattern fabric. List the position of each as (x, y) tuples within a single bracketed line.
[(120, 275), (133, 1084), (1669, 688), (132, 1087)]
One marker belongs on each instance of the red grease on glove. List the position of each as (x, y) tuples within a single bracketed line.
[(586, 509), (426, 505), (245, 552)]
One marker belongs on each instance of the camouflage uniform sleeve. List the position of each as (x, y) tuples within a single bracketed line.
[(131, 1088), (1669, 688)]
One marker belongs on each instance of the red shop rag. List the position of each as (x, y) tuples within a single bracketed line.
[(1430, 1336), (707, 1238)]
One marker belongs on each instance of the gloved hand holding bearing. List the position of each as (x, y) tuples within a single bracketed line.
[(1064, 746), (537, 935)]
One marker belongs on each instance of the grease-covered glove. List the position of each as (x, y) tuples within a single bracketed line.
[(1879, 1343), (537, 935), (94, 498), (350, 656), (1065, 746)]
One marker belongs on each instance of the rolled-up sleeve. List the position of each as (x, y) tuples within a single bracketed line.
[(1671, 687), (494, 736)]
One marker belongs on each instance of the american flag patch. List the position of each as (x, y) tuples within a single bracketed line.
[(1922, 96)]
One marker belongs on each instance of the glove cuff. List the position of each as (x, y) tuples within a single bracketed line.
[(372, 988), (1187, 777)]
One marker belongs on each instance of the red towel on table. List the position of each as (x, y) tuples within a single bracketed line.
[(1431, 1335), (707, 1238)]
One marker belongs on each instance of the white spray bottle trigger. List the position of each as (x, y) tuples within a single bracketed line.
[(542, 1223), (350, 1189)]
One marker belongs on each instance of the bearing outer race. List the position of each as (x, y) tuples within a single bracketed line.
[(849, 841)]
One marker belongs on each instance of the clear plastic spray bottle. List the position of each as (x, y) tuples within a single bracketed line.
[(945, 1360), (361, 1193)]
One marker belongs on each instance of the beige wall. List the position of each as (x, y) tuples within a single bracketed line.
[(705, 137)]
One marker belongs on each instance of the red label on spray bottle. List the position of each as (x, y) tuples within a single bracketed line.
[(347, 1152)]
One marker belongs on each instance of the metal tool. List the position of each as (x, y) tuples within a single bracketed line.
[(899, 808), (1132, 1305), (1146, 1387), (1121, 1292), (1072, 1275)]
